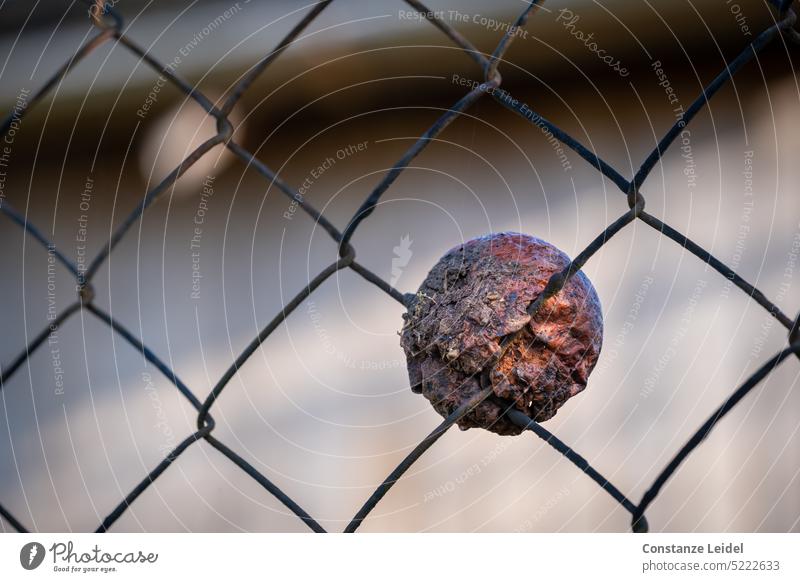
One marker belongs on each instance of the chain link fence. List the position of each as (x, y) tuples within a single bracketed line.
[(111, 29)]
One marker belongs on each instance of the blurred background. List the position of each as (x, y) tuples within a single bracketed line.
[(324, 408)]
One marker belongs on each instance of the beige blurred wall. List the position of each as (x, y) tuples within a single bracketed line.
[(324, 409)]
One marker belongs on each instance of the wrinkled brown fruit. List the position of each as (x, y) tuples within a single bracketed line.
[(473, 297)]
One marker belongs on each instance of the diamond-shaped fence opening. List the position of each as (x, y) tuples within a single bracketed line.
[(110, 28)]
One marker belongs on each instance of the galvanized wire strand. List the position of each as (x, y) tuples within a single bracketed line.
[(527, 423), (8, 371), (37, 235), (12, 520), (369, 205), (705, 429), (247, 80), (414, 455), (709, 91)]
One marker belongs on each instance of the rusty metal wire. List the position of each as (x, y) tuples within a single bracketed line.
[(110, 28)]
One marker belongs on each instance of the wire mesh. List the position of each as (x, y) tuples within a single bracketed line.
[(110, 28)]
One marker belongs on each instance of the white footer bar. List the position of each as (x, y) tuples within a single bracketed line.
[(402, 557)]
